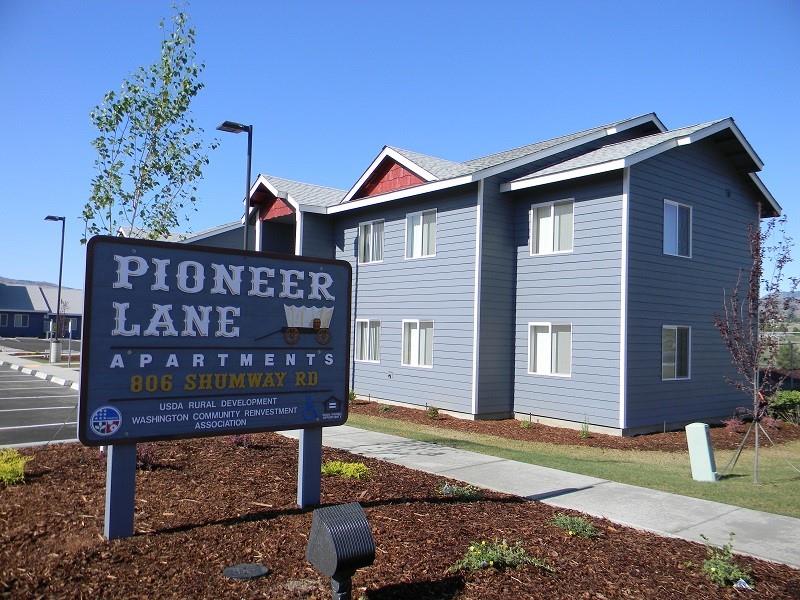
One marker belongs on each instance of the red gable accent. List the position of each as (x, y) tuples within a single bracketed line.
[(388, 177), (274, 208)]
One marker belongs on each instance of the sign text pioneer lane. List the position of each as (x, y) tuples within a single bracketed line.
[(185, 341)]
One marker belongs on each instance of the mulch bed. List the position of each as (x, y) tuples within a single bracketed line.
[(671, 441), (209, 504)]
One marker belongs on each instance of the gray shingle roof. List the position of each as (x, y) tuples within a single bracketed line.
[(617, 151), (440, 167), (39, 298), (307, 193)]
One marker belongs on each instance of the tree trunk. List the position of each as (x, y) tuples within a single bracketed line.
[(757, 420)]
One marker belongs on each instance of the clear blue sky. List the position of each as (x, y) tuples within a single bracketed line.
[(326, 84)]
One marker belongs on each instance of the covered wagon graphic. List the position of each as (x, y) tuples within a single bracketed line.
[(305, 320)]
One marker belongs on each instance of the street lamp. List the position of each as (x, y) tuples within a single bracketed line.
[(232, 127), (55, 344)]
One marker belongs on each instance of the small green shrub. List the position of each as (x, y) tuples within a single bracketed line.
[(12, 466), (384, 408), (720, 567), (348, 470), (785, 405), (497, 555), (575, 525), (585, 430), (351, 397), (462, 492), (432, 412), (525, 424)]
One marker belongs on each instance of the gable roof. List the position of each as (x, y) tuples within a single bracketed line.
[(431, 168), (39, 298), (627, 153), (307, 193)]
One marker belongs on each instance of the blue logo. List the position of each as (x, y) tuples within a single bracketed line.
[(106, 420)]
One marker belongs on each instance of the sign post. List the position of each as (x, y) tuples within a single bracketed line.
[(186, 341)]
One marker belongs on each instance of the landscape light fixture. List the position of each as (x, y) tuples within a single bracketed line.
[(233, 127), (340, 542), (60, 266)]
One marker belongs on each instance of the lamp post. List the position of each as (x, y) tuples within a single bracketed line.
[(233, 127), (55, 343)]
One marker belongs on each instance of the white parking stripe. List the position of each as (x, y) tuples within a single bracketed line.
[(37, 397), (32, 444), (34, 426), (36, 408), (49, 387)]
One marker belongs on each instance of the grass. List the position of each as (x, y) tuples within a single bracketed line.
[(666, 471), (497, 555)]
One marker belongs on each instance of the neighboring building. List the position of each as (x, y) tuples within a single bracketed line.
[(27, 310), (573, 279)]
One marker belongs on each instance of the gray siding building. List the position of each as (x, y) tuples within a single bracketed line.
[(572, 280)]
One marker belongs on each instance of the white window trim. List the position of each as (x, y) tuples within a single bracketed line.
[(531, 228), (405, 234), (368, 321), (549, 325), (689, 358), (26, 318), (403, 342), (358, 246), (691, 228)]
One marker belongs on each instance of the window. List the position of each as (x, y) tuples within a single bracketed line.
[(368, 340), (370, 242), (552, 227), (677, 229), (4, 320), (421, 234), (675, 351), (550, 349), (20, 320), (417, 343)]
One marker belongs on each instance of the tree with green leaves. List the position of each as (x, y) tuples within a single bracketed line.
[(150, 154)]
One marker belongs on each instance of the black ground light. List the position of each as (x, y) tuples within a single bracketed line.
[(340, 542)]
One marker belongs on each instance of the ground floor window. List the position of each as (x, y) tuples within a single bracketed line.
[(368, 340), (417, 343), (21, 320), (676, 350), (550, 349), (4, 320)]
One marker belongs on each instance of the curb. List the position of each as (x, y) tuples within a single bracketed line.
[(41, 375)]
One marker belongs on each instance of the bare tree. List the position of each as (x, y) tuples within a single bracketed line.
[(755, 306)]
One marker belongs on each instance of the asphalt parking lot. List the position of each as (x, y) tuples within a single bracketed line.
[(37, 344), (34, 410)]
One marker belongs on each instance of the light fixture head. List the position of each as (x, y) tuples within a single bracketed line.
[(233, 127), (53, 218)]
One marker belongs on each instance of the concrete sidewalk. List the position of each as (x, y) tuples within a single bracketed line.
[(759, 534)]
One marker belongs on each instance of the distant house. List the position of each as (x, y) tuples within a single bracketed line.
[(571, 280), (27, 310)]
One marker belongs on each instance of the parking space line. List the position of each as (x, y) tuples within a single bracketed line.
[(37, 397), (37, 426), (35, 408), (44, 387)]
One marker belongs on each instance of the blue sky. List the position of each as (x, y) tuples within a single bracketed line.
[(326, 84)]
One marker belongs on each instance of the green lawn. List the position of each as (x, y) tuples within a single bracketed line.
[(667, 471)]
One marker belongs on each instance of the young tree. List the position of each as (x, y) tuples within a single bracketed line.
[(150, 154), (755, 305)]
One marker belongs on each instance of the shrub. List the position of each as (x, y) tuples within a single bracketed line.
[(384, 408), (242, 440), (432, 412), (525, 424), (785, 405), (12, 466), (497, 555), (145, 457), (462, 492), (585, 430), (575, 525), (770, 423), (733, 425), (351, 397), (720, 567), (348, 470)]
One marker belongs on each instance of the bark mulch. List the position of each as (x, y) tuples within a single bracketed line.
[(671, 441), (208, 504)]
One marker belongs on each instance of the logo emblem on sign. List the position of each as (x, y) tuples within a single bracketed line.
[(106, 420)]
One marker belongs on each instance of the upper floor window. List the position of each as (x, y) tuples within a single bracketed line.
[(552, 227), (675, 351), (417, 343), (368, 340), (4, 320), (421, 234), (370, 242), (677, 229), (550, 349), (21, 320)]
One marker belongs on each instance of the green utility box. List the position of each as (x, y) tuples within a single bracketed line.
[(701, 453)]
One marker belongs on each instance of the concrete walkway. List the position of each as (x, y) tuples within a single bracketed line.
[(759, 534)]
